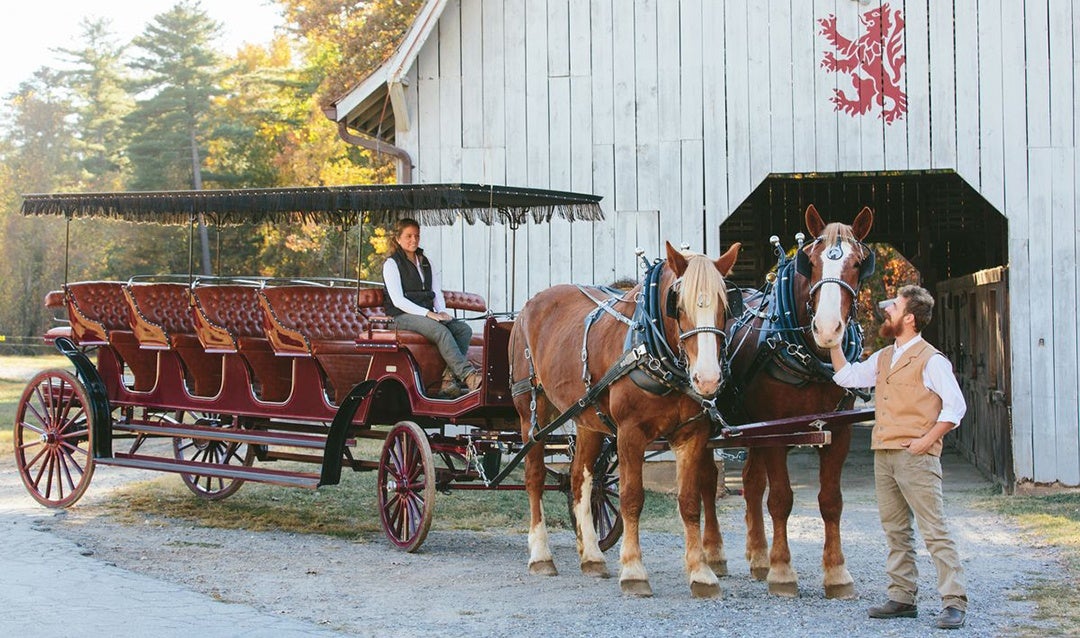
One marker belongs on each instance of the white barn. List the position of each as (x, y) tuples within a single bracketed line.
[(711, 121)]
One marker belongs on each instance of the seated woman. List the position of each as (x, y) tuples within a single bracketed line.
[(414, 299)]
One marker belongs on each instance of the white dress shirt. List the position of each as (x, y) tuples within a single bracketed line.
[(937, 377)]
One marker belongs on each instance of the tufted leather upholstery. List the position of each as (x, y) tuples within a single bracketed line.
[(100, 315), (229, 319), (464, 301), (162, 318)]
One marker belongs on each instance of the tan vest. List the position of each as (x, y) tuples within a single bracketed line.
[(904, 408)]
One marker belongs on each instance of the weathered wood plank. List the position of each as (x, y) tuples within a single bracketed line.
[(942, 85), (647, 105), (559, 139), (826, 119), (494, 79), (804, 63), (991, 122), (1016, 209), (714, 122), (1065, 302), (624, 111), (537, 136), (736, 79), (1042, 334), (781, 30)]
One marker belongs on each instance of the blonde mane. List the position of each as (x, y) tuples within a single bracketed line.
[(836, 232), (701, 284)]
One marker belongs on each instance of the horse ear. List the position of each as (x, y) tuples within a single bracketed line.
[(863, 221), (675, 259), (813, 222), (727, 260)]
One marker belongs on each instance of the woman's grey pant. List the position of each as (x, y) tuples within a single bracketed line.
[(451, 338)]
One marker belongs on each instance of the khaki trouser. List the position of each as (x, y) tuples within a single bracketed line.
[(906, 485)]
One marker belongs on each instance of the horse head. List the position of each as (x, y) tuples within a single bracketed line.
[(833, 266), (696, 308)]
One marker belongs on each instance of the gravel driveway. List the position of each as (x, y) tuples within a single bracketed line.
[(476, 583)]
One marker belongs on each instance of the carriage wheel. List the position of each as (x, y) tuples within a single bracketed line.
[(52, 438), (211, 488), (607, 518), (406, 486)]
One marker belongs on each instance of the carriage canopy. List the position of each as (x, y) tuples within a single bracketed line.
[(430, 204)]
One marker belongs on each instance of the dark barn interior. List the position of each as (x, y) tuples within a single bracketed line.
[(955, 239)]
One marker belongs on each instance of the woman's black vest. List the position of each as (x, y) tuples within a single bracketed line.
[(416, 290)]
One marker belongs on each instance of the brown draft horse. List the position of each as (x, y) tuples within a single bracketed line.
[(554, 352), (793, 378)]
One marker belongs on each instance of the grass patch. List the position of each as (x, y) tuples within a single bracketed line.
[(1053, 519)]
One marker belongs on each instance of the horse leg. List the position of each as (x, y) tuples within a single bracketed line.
[(633, 579), (712, 541), (754, 482), (586, 451), (689, 458), (782, 579), (541, 561), (837, 580)]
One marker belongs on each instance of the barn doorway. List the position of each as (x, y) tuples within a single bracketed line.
[(955, 239)]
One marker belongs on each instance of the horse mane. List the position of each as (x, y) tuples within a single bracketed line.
[(836, 232), (701, 281)]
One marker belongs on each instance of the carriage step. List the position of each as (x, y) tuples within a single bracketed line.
[(232, 435), (216, 470)]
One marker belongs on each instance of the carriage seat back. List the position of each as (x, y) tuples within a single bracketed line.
[(163, 319), (101, 316), (96, 309), (229, 319)]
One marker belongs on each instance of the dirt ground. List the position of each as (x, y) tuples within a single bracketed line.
[(476, 583)]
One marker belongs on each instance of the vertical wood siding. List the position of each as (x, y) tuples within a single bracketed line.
[(676, 110)]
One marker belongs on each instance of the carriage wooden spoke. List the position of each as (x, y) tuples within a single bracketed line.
[(406, 486), (212, 451), (52, 438)]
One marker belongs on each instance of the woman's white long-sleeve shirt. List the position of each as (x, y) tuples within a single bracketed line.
[(392, 281)]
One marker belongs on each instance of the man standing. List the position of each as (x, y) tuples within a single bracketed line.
[(917, 402)]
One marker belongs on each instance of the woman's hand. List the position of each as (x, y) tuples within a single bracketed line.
[(438, 316)]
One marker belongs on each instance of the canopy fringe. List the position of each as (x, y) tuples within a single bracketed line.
[(430, 204)]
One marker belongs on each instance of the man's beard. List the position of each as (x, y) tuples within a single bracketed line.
[(887, 329)]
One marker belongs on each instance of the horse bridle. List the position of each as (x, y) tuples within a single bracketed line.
[(671, 309), (834, 252)]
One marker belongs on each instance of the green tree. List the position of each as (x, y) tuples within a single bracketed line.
[(95, 77), (37, 157), (178, 74)]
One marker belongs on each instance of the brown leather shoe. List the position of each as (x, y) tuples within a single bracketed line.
[(450, 390), (950, 618), (893, 609), (472, 380)]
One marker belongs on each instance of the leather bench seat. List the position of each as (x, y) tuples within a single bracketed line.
[(162, 319), (100, 316), (228, 319)]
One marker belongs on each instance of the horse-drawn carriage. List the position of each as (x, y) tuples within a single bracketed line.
[(239, 373)]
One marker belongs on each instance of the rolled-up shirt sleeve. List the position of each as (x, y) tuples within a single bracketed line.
[(861, 374), (392, 281), (939, 378)]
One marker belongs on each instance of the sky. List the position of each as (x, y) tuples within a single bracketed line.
[(30, 29)]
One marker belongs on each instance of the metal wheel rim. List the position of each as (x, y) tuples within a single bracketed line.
[(406, 485), (52, 438)]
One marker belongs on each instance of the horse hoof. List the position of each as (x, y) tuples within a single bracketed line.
[(841, 592), (639, 588), (543, 568), (759, 573), (705, 590), (719, 567), (595, 568), (784, 590)]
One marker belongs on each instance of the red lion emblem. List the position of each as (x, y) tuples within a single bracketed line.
[(875, 61)]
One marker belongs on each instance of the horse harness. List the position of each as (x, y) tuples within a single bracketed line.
[(647, 358), (783, 350)]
